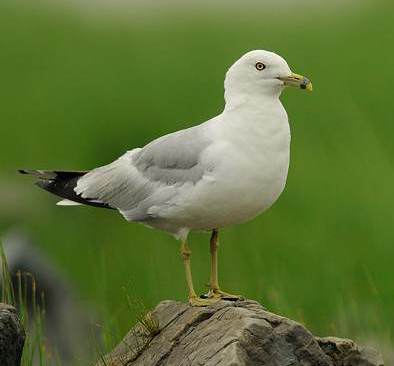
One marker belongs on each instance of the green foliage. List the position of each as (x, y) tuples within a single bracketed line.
[(7, 290), (143, 317), (21, 296), (77, 92)]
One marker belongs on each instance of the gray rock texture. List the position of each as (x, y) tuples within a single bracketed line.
[(12, 336), (231, 334)]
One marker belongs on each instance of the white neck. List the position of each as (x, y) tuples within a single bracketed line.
[(262, 118), (237, 94)]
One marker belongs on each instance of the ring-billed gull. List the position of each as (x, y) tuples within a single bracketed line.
[(222, 172)]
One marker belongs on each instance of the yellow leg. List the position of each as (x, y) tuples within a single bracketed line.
[(186, 253), (193, 298), (215, 292), (214, 283)]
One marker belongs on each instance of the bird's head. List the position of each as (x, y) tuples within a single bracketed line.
[(261, 72)]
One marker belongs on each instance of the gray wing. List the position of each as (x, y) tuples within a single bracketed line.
[(174, 158), (148, 177)]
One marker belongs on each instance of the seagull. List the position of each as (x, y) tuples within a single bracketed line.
[(222, 172)]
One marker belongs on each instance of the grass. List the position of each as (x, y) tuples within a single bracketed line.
[(7, 290), (144, 328), (139, 337), (79, 92), (24, 296)]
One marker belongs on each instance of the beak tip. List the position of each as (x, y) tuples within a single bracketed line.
[(306, 84)]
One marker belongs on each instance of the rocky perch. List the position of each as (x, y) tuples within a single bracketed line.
[(12, 336), (231, 334)]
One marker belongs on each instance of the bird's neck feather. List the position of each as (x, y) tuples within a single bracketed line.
[(258, 108), (251, 101), (263, 118)]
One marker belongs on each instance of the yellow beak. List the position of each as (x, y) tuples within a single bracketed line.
[(298, 81)]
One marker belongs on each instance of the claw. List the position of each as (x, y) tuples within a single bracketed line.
[(221, 295), (198, 301)]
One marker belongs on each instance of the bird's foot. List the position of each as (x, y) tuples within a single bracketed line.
[(200, 301), (215, 293)]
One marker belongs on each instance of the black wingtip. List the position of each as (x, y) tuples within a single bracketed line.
[(62, 184)]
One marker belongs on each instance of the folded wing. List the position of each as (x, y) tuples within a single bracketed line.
[(143, 180)]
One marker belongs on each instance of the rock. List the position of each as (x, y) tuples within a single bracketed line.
[(231, 334), (12, 336), (345, 352)]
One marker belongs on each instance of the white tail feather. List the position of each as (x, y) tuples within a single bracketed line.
[(68, 203)]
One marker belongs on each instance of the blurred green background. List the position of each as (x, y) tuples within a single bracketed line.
[(81, 85)]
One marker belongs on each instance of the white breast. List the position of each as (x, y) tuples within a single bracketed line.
[(250, 160)]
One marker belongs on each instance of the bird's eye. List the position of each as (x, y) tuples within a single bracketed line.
[(259, 66)]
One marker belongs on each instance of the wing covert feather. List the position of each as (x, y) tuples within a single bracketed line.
[(148, 176)]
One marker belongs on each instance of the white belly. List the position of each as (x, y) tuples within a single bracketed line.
[(247, 182), (239, 195)]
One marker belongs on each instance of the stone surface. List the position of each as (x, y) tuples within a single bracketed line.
[(232, 334), (12, 336), (345, 352)]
